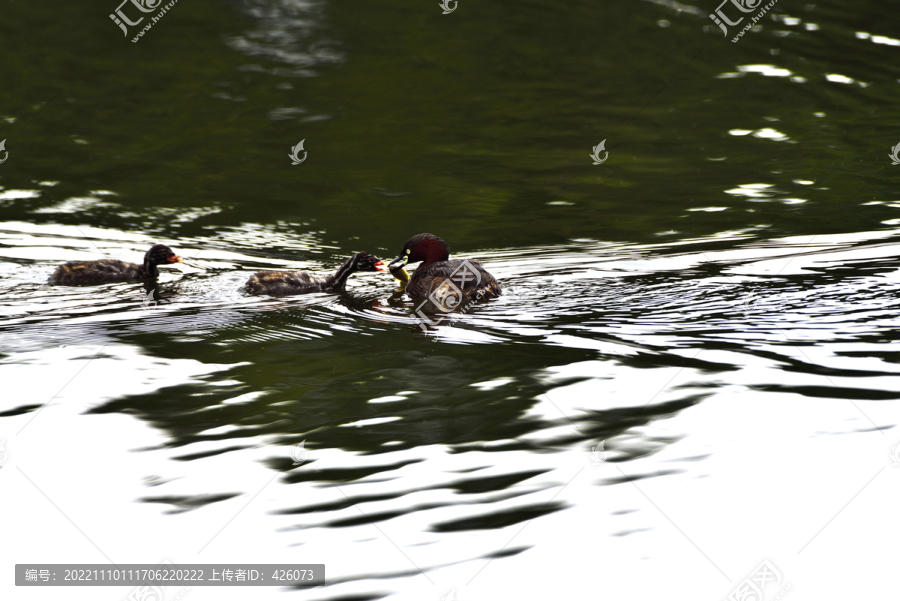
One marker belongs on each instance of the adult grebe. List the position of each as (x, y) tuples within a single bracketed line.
[(468, 276)]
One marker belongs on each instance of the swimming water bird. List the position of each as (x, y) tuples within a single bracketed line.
[(277, 283), (467, 276), (113, 270)]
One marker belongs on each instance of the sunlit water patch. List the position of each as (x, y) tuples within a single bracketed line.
[(608, 365)]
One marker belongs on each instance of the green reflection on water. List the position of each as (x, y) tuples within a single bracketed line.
[(467, 124)]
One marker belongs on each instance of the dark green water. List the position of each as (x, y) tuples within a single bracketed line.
[(716, 302)]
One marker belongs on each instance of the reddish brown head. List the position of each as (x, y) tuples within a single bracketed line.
[(427, 248)]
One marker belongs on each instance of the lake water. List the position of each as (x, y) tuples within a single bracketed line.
[(694, 366)]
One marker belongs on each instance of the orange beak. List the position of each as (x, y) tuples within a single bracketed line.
[(175, 259), (380, 266)]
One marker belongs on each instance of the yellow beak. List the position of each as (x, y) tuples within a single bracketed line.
[(400, 274)]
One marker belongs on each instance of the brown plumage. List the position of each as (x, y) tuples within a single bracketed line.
[(113, 270), (278, 283), (440, 277)]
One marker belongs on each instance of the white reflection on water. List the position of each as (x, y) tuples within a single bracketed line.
[(760, 431)]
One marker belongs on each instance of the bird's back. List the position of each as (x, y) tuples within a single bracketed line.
[(93, 272), (278, 283), (454, 277)]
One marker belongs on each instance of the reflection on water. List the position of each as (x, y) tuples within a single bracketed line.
[(693, 365), (444, 433), (290, 32)]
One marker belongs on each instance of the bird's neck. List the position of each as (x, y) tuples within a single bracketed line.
[(338, 280), (150, 268), (435, 252)]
